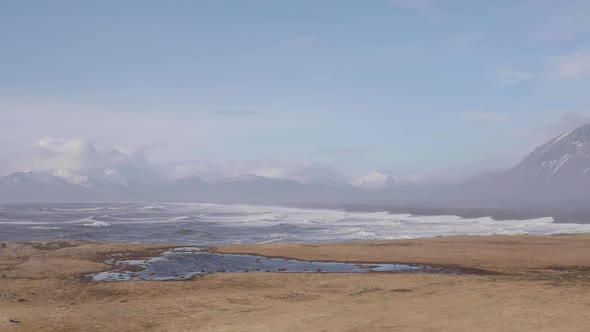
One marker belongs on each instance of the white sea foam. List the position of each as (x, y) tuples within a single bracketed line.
[(91, 221), (45, 227), (337, 224), (152, 207), (75, 209), (246, 223), (97, 223)]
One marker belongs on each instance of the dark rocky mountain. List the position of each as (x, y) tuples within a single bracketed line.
[(555, 174), (562, 160)]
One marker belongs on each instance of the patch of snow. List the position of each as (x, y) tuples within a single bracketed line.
[(562, 137), (561, 163), (70, 176)]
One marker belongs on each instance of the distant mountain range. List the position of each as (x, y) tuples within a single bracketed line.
[(555, 174), (68, 186)]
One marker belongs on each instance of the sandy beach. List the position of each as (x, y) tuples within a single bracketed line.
[(523, 283)]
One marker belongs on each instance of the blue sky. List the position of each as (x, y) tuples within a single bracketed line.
[(399, 86)]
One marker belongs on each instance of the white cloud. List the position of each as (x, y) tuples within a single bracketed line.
[(572, 66), (77, 159), (77, 154), (86, 157), (121, 140), (184, 134)]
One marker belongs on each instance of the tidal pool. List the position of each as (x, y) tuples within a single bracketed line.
[(185, 263)]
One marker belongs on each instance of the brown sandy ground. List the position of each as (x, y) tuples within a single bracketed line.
[(543, 285)]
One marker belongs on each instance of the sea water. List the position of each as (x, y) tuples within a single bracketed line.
[(211, 224)]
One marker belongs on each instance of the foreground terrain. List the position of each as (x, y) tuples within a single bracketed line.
[(518, 283)]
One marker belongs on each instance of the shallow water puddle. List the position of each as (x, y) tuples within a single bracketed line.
[(185, 263)]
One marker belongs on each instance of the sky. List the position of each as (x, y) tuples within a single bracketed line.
[(301, 89)]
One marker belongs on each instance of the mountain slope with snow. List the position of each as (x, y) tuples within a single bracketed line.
[(555, 174), (566, 157)]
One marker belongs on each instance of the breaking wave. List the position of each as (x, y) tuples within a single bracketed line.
[(45, 227), (204, 224), (97, 224)]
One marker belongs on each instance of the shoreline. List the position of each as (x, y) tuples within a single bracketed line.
[(493, 253), (540, 282)]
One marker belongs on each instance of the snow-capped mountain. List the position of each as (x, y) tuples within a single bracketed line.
[(29, 177), (562, 160), (41, 187), (374, 181), (65, 185), (91, 179), (557, 172), (566, 157)]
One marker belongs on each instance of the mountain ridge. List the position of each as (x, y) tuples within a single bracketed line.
[(557, 171)]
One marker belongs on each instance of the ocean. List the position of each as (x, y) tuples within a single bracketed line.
[(214, 224)]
